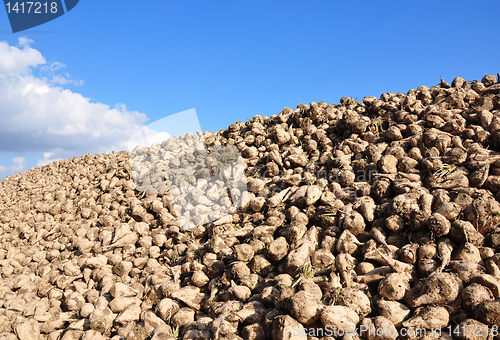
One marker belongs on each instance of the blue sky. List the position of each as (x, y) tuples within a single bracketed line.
[(230, 60)]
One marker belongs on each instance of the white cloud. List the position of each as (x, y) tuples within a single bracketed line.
[(63, 80), (56, 65), (48, 157), (146, 137), (58, 78), (19, 60), (19, 165), (38, 116)]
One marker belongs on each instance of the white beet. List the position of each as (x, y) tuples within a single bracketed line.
[(312, 217)]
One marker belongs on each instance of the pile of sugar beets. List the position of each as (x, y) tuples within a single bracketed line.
[(381, 215)]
